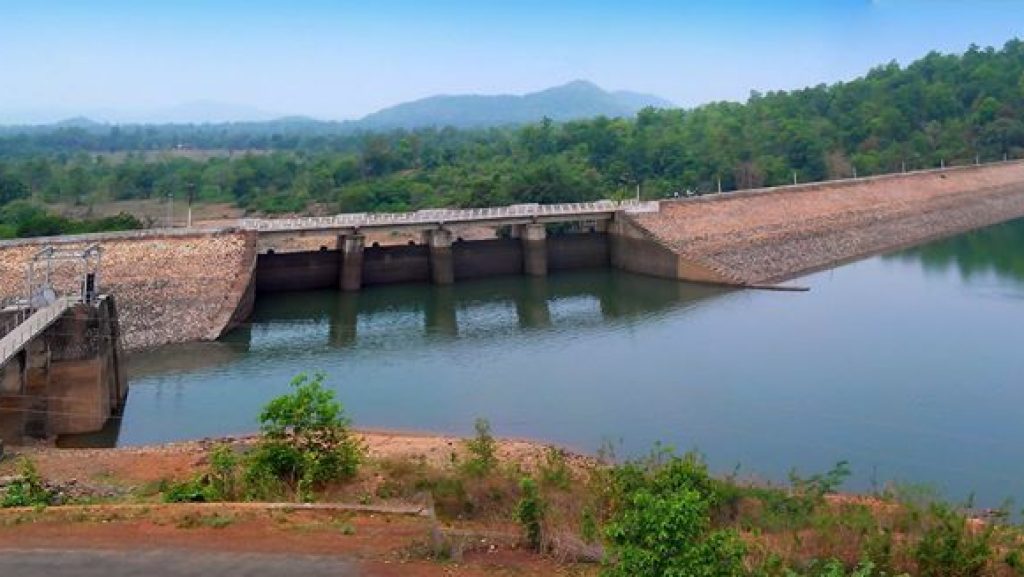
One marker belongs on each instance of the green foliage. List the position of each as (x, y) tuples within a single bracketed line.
[(833, 568), (950, 547), (588, 526), (821, 484), (191, 491), (305, 443), (219, 483), (554, 470), (530, 512), (939, 108), (306, 438), (22, 218), (28, 490), (482, 451), (660, 524)]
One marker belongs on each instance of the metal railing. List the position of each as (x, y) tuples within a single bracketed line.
[(24, 332), (443, 216)]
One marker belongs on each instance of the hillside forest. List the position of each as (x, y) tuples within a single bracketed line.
[(943, 108)]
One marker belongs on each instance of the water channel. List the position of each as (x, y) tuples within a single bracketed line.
[(910, 366)]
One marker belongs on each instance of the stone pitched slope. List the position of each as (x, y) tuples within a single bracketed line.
[(171, 286), (770, 235)]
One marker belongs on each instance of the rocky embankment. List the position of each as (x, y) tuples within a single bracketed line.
[(770, 235), (168, 286)]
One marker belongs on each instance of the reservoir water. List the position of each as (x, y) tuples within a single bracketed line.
[(909, 366)]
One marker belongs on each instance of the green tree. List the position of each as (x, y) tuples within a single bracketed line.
[(306, 437), (661, 526)]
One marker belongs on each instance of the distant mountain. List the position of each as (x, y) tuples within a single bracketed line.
[(575, 100), (578, 99), (195, 112), (77, 122), (639, 100), (205, 112)]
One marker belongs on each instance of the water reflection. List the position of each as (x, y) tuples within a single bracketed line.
[(996, 250), (425, 315)]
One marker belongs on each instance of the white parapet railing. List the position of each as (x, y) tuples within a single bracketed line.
[(442, 216), (31, 327)]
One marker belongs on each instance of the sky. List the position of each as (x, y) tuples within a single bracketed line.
[(121, 60)]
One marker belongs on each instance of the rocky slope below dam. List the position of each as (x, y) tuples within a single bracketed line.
[(171, 286)]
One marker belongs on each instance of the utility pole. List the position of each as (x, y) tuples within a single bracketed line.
[(191, 194), (977, 159), (170, 210), (942, 163), (638, 192), (719, 185), (903, 166), (794, 177), (855, 172)]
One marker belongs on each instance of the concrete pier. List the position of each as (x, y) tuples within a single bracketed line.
[(442, 265), (351, 273), (535, 249)]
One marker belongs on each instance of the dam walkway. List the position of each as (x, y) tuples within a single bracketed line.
[(25, 332), (434, 218)]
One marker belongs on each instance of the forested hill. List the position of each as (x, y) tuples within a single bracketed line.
[(572, 101), (941, 108)]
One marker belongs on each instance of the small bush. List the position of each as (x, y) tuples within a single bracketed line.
[(219, 483), (482, 451), (306, 438), (554, 471), (191, 491), (660, 523), (28, 490), (950, 547), (530, 512)]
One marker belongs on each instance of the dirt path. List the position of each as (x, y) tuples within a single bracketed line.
[(232, 535), (171, 540)]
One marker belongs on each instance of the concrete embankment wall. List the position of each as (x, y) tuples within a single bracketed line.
[(769, 235), (171, 286), (70, 379), (320, 269)]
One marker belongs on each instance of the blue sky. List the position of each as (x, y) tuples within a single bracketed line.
[(342, 59)]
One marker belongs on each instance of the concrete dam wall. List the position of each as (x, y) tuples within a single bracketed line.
[(411, 263), (769, 235)]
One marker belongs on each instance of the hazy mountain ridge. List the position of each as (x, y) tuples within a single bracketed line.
[(576, 100)]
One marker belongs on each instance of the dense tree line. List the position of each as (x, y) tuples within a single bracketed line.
[(942, 108), (24, 219)]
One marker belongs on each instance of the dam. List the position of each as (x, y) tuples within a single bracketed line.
[(183, 285), (194, 285)]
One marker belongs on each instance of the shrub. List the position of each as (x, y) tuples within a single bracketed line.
[(191, 491), (660, 524), (950, 547), (220, 482), (530, 512), (482, 451), (28, 490), (554, 471), (306, 438), (821, 484)]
